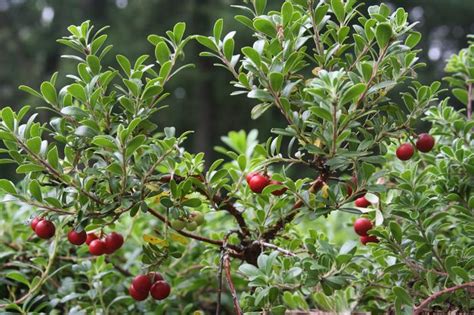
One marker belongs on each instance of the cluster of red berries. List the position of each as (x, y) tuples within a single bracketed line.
[(257, 182), (152, 283), (108, 244), (361, 227), (424, 144), (45, 229)]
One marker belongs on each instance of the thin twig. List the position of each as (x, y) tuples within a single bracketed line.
[(190, 235), (469, 101), (44, 274), (53, 172), (228, 275), (270, 233), (374, 74), (316, 37), (272, 246), (419, 309), (218, 202), (219, 282)]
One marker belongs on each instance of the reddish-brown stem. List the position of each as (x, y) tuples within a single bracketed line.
[(228, 276), (187, 234), (270, 233), (55, 174), (219, 202), (419, 309), (219, 283)]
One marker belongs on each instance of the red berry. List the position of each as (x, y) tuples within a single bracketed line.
[(425, 142), (90, 238), (34, 222), (258, 182), (362, 202), (77, 238), (405, 151), (349, 189), (351, 185), (249, 176), (142, 283), (369, 239), (155, 276), (45, 229), (137, 295), (97, 247), (113, 241), (362, 225), (160, 290), (278, 192)]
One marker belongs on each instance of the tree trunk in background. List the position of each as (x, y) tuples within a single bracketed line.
[(203, 91)]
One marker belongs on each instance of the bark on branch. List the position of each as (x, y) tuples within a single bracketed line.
[(419, 309)]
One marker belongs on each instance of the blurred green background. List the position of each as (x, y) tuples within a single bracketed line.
[(199, 99)]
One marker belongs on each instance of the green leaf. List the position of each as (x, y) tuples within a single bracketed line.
[(162, 53), (85, 131), (322, 113), (34, 144), (49, 93), (383, 34), (367, 70), (134, 144), (396, 231), (133, 86), (372, 198), (320, 12), (463, 274), (35, 190), (228, 48), (265, 26), (244, 20), (260, 94), (124, 64), (29, 168), (338, 9), (7, 186), (207, 42), (179, 30), (104, 141), (53, 157), (286, 12), (192, 203), (94, 63), (353, 92), (461, 95), (77, 91), (75, 112), (253, 55), (249, 270), (29, 90), (8, 118), (402, 295), (217, 31), (259, 109), (413, 39), (260, 6), (19, 277), (276, 81), (97, 43)]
